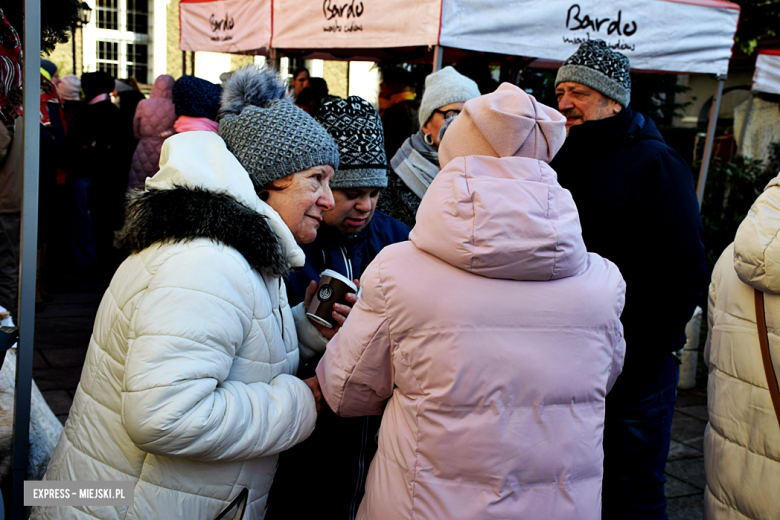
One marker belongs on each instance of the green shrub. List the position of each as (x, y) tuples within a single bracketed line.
[(732, 187)]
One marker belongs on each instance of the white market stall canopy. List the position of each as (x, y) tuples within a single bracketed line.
[(693, 36), (767, 75), (660, 35)]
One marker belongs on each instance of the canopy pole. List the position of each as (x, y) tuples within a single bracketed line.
[(714, 112), (273, 61), (31, 88), (438, 54)]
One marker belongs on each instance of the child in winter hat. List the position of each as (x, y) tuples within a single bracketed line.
[(444, 87), (196, 97), (70, 88), (196, 102), (506, 123), (597, 66), (357, 130), (270, 136)]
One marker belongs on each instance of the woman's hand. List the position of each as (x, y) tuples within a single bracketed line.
[(340, 311), (314, 385)]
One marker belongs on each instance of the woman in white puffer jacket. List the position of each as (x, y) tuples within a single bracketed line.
[(742, 439), (188, 388)]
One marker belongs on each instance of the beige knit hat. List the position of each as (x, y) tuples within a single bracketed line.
[(505, 123)]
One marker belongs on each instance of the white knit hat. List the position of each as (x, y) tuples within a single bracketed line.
[(444, 87), (70, 88)]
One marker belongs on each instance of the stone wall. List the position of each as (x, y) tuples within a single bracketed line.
[(62, 56), (335, 74), (173, 52), (237, 61)]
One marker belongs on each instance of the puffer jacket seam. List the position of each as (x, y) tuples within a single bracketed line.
[(599, 330), (73, 446), (138, 479), (180, 490), (384, 298), (557, 235), (727, 506), (249, 316), (419, 386), (521, 406), (763, 253), (349, 377), (747, 449), (119, 314), (416, 454), (735, 442), (750, 322), (732, 376), (150, 335)]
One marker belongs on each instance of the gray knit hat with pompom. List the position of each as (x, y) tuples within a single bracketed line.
[(270, 136)]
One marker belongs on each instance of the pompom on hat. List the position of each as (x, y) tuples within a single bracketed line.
[(357, 130), (505, 123), (597, 66), (270, 136)]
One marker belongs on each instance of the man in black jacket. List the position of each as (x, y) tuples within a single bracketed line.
[(637, 208), (351, 235)]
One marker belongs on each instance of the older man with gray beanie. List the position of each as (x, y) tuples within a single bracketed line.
[(638, 208)]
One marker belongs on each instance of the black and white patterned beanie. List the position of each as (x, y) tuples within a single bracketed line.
[(270, 136), (597, 66), (357, 129)]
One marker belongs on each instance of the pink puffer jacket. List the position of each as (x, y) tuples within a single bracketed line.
[(152, 124), (489, 343)]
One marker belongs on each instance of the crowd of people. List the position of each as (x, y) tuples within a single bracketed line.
[(525, 274)]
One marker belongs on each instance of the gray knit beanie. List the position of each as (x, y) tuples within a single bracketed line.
[(271, 137), (597, 66), (357, 129), (444, 87)]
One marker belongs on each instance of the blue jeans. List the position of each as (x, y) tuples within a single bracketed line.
[(637, 434)]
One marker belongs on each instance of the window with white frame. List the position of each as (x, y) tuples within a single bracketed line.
[(138, 61), (138, 16), (122, 38), (108, 58), (108, 14)]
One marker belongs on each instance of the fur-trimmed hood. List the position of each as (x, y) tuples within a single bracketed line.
[(201, 190)]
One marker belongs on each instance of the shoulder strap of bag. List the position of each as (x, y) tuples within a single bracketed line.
[(763, 340)]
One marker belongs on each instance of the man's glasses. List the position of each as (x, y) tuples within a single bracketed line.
[(448, 113)]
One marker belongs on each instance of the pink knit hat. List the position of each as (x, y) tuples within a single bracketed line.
[(505, 123)]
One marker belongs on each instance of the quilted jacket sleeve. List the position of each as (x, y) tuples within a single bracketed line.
[(756, 245), (176, 396), (726, 259), (356, 372), (310, 341), (617, 337)]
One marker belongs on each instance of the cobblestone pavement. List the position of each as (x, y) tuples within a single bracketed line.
[(685, 466), (63, 329)]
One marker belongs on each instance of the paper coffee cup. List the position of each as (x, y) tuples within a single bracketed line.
[(333, 288)]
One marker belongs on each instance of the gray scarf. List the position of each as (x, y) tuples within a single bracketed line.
[(416, 163)]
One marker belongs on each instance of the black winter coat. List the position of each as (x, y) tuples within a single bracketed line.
[(638, 208), (324, 476)]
